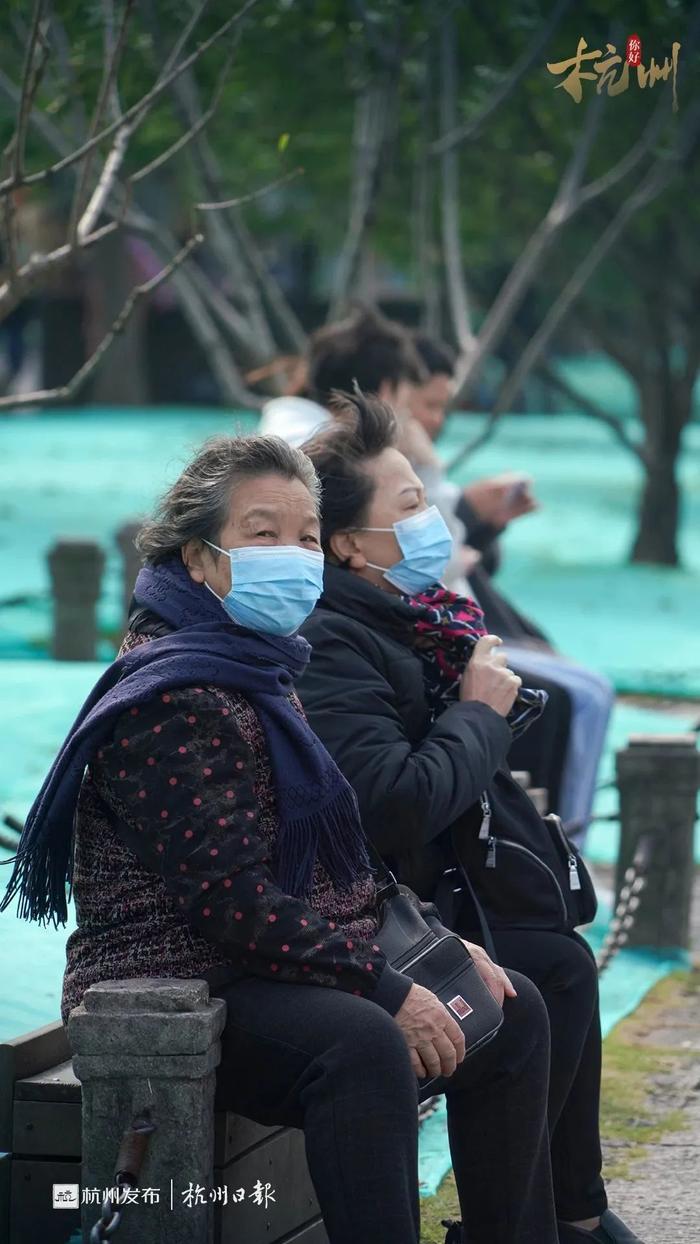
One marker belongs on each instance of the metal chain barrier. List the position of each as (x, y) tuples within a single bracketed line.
[(635, 879), (130, 1158)]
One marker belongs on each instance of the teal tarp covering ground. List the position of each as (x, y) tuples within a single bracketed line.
[(87, 472)]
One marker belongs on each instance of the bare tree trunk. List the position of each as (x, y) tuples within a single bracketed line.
[(657, 532), (121, 381)]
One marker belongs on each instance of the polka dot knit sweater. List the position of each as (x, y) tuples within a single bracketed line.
[(175, 832)]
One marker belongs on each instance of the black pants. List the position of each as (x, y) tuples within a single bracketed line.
[(338, 1066), (563, 968)]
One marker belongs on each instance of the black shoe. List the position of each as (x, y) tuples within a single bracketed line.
[(612, 1230), (455, 1234)]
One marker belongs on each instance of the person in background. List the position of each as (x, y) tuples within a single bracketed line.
[(365, 348), (411, 722), (486, 507)]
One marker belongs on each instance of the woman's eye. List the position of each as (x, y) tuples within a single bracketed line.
[(311, 539), (265, 533)]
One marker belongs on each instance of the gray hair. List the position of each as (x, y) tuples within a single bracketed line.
[(197, 504)]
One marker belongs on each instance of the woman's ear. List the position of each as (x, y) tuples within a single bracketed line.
[(345, 547), (193, 557)]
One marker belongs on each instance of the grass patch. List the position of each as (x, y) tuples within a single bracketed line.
[(630, 1115)]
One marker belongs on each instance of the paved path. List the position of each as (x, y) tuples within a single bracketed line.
[(661, 1197)]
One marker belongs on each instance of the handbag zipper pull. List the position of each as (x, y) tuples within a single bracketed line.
[(491, 853), (485, 829), (574, 879)]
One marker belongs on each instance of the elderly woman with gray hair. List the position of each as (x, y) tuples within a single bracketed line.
[(208, 833)]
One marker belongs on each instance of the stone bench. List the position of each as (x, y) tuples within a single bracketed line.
[(45, 1113)]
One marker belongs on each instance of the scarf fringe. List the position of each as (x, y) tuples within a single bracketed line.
[(333, 836), (40, 875)]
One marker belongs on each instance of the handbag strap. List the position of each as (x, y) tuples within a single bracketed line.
[(388, 887), (489, 944)]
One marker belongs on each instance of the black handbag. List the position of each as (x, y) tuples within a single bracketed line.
[(522, 870), (441, 964)]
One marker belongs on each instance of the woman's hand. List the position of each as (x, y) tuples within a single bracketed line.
[(491, 974), (487, 677), (434, 1038)]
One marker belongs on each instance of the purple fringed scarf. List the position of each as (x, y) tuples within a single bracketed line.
[(317, 808)]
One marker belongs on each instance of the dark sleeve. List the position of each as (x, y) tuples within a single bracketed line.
[(480, 535), (408, 792), (181, 780)]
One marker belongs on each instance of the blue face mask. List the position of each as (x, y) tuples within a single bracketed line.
[(273, 587), (426, 544)]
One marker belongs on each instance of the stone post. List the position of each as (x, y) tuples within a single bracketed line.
[(150, 1045), (657, 777), (131, 561), (75, 567)]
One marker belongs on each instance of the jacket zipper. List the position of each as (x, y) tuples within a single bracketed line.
[(515, 846), (485, 829), (574, 878)]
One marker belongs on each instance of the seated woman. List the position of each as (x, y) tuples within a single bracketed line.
[(215, 837), (420, 745)]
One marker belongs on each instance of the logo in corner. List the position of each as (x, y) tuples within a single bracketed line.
[(460, 1007), (65, 1196)]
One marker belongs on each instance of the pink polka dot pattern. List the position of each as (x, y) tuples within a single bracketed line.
[(201, 758)]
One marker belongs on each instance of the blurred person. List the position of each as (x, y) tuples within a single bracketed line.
[(207, 833), (365, 348), (485, 508), (419, 716)]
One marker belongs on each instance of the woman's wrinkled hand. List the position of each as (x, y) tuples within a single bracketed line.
[(435, 1040), (491, 974)]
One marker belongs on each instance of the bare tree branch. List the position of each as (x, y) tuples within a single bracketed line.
[(69, 390), (454, 273), (38, 266), (653, 184), (369, 137), (523, 272), (113, 58), (424, 203), (582, 401), (254, 194), (139, 109), (462, 133), (31, 77), (195, 128)]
